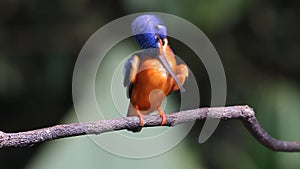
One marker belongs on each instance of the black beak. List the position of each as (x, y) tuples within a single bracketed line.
[(167, 66)]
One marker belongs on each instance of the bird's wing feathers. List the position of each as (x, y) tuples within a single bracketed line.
[(130, 70)]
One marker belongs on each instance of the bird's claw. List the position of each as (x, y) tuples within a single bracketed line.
[(141, 116), (162, 115)]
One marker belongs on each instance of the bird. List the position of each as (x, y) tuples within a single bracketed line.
[(152, 73)]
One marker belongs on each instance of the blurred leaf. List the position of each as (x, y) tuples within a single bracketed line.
[(277, 108), (212, 16)]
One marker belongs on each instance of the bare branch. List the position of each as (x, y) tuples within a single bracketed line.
[(243, 113)]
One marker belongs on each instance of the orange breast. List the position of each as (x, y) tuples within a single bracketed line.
[(152, 84)]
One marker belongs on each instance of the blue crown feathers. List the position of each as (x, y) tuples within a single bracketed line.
[(147, 29)]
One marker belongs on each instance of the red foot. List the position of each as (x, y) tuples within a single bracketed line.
[(138, 113), (162, 115)]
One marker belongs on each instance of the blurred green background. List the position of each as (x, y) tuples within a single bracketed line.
[(258, 43)]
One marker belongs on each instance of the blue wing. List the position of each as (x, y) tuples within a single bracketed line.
[(130, 70)]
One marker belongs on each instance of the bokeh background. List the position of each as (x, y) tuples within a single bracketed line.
[(258, 43)]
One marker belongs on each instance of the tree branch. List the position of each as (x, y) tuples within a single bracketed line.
[(243, 113)]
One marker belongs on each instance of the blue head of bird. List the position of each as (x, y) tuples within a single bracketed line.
[(148, 31)]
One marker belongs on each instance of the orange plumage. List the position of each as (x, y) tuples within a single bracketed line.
[(150, 76)]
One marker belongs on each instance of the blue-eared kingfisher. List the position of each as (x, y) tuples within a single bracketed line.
[(152, 74)]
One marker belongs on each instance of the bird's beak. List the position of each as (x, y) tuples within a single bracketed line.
[(167, 66)]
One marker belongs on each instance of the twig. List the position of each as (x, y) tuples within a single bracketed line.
[(243, 113)]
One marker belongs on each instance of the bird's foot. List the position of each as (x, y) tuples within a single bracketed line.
[(141, 116), (162, 115)]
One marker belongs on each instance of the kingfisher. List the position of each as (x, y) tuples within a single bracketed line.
[(151, 74)]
